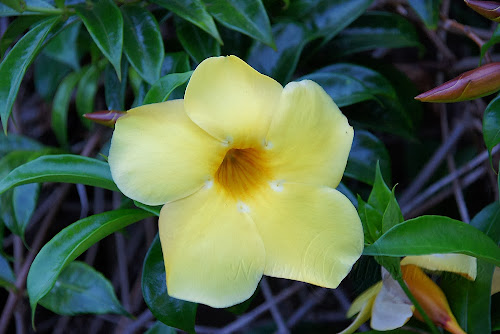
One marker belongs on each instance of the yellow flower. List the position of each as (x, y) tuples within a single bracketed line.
[(246, 170), (388, 306)]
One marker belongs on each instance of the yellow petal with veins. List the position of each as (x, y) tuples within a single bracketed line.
[(311, 234), (456, 263), (212, 251), (232, 101), (309, 139), (158, 154)]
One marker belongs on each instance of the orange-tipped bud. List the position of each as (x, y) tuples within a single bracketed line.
[(488, 9), (470, 85), (431, 298), (105, 117)]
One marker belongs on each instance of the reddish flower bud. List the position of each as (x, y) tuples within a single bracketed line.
[(470, 85), (488, 9), (105, 117)]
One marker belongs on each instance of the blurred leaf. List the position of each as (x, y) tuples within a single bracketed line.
[(17, 5), (114, 89), (14, 142), (172, 312), (375, 30), (104, 22), (8, 11), (142, 42), (86, 92), (280, 64), (435, 234), (139, 87), (491, 124), (366, 150), (161, 328), (16, 62), (48, 73), (247, 17), (162, 88), (428, 10), (495, 39), (60, 106), (16, 28), (79, 288), (7, 278), (153, 209), (195, 12), (175, 62), (197, 43), (61, 168), (63, 47), (68, 244), (348, 193)]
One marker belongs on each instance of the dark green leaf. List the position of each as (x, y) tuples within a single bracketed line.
[(104, 22), (161, 328), (491, 124), (7, 278), (14, 142), (16, 28), (63, 47), (68, 244), (428, 10), (48, 73), (280, 64), (61, 168), (435, 234), (15, 64), (371, 219), (392, 214), (86, 91), (197, 43), (195, 12), (172, 312), (46, 7), (175, 62), (139, 87), (162, 88), (348, 193), (380, 195), (247, 17), (366, 150), (17, 5), (142, 42), (153, 209), (114, 89), (495, 38), (375, 30), (79, 288)]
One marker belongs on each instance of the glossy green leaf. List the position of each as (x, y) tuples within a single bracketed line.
[(435, 234), (14, 142), (114, 89), (279, 64), (61, 168), (7, 278), (375, 30), (428, 10), (162, 88), (366, 150), (197, 43), (247, 17), (16, 62), (380, 195), (16, 28), (139, 87), (63, 47), (175, 62), (79, 288), (43, 5), (491, 124), (371, 219), (153, 209), (60, 106), (86, 92), (172, 312), (193, 11), (142, 42), (104, 23), (392, 214), (68, 244), (161, 328), (17, 5), (48, 74)]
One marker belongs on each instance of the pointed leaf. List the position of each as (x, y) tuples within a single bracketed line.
[(428, 10), (86, 92), (197, 43), (114, 89), (491, 124), (16, 28), (380, 195), (162, 88)]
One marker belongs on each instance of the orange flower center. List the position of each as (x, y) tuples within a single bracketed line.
[(242, 172)]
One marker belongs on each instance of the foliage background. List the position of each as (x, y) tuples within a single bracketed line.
[(62, 59)]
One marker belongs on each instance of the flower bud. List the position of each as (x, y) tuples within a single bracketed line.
[(488, 9), (470, 85), (105, 117), (431, 298)]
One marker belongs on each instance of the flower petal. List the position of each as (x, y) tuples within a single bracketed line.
[(309, 139), (212, 251), (456, 263), (311, 234), (158, 154), (231, 101), (363, 304)]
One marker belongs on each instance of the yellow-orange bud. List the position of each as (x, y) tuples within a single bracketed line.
[(488, 9), (105, 117)]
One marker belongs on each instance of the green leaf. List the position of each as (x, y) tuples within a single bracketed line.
[(16, 28), (153, 209), (375, 30), (17, 5), (61, 168), (142, 42), (371, 219), (79, 288), (68, 244), (162, 88), (247, 17), (63, 47), (491, 124), (435, 234), (175, 62), (104, 22), (46, 7), (86, 92), (193, 11), (7, 278), (161, 328), (392, 214), (197, 43), (380, 195), (366, 150), (60, 106), (428, 10), (172, 312), (15, 64), (279, 64), (114, 89), (495, 39), (14, 142), (48, 74)]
